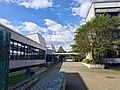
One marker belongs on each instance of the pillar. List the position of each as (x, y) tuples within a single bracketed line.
[(4, 58)]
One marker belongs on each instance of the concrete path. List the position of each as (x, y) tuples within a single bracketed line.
[(80, 77), (46, 78)]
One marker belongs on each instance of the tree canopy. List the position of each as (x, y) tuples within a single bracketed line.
[(96, 35), (61, 50)]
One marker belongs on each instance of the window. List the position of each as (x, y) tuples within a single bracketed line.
[(21, 51)]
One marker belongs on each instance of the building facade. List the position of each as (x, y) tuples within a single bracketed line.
[(106, 7), (25, 50)]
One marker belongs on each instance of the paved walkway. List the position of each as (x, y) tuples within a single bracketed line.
[(46, 78), (80, 77)]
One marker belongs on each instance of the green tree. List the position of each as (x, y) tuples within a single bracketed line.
[(96, 36), (61, 50)]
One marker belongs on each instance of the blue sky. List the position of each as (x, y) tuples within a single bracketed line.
[(55, 20)]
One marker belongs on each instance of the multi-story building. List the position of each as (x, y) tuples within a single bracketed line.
[(106, 7), (111, 8)]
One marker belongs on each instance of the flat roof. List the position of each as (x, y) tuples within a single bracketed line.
[(66, 53), (34, 33), (106, 1), (18, 33)]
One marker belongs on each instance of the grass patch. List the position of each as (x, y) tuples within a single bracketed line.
[(15, 79), (115, 68)]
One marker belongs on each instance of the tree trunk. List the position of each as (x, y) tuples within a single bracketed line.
[(93, 55)]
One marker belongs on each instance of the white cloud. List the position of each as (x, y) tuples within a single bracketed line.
[(80, 1), (35, 4), (82, 22), (31, 27), (61, 35), (59, 14), (57, 5), (4, 21), (60, 40), (8, 24), (54, 26), (82, 9)]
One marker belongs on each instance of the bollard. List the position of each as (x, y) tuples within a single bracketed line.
[(28, 72)]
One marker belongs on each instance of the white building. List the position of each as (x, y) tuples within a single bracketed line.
[(27, 50), (104, 7), (50, 49), (37, 37)]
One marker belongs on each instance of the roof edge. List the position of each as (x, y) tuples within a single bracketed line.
[(99, 2), (106, 1)]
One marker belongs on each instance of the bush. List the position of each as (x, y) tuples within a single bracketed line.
[(94, 62), (81, 58), (91, 61), (76, 58), (114, 54), (85, 60)]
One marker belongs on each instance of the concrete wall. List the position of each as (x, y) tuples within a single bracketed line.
[(37, 37), (107, 4), (91, 13), (111, 60), (22, 63), (50, 49)]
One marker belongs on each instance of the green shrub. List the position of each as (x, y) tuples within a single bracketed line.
[(114, 54), (91, 61), (85, 60), (81, 58), (94, 62), (76, 58)]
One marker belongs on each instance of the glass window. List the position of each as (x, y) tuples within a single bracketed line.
[(21, 51)]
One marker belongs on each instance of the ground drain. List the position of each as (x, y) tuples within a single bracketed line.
[(109, 77)]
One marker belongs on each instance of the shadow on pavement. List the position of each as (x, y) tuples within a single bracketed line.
[(51, 70), (54, 68), (75, 82)]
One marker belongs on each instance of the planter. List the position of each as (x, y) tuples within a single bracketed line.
[(94, 66)]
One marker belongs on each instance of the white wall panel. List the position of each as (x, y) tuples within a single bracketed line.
[(109, 4), (22, 63), (91, 13)]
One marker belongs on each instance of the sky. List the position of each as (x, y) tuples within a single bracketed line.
[(55, 20)]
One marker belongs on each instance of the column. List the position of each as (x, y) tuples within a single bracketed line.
[(4, 59)]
